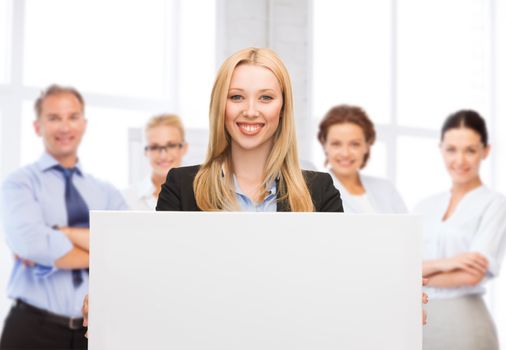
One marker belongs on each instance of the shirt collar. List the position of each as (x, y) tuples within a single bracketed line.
[(271, 188), (47, 161)]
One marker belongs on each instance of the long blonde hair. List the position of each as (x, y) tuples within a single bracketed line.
[(213, 184)]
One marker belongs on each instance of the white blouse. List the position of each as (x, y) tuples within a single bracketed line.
[(363, 203), (478, 224), (381, 195), (140, 196)]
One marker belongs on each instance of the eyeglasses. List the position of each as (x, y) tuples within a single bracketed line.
[(167, 148)]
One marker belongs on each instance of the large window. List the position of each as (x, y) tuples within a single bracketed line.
[(107, 47), (499, 81), (442, 67), (130, 59), (410, 64), (409, 69), (5, 16), (352, 51)]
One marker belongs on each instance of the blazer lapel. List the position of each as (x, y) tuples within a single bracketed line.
[(282, 205)]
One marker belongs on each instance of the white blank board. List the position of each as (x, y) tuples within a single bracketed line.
[(229, 281)]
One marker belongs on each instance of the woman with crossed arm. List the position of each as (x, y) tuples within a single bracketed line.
[(464, 241)]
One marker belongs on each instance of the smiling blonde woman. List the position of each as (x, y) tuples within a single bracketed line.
[(252, 162)]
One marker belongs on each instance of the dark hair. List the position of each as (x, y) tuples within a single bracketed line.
[(348, 114), (55, 89), (466, 118)]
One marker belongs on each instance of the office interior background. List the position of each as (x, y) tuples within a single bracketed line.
[(408, 63)]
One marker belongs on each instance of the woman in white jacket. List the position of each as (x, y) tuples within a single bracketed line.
[(347, 134)]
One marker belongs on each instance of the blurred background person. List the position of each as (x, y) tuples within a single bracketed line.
[(464, 241), (45, 209), (347, 134), (165, 149)]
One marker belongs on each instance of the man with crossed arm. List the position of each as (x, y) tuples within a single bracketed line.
[(45, 208)]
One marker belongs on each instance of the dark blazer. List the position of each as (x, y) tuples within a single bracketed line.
[(177, 191)]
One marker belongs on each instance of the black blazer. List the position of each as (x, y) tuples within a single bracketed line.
[(177, 191)]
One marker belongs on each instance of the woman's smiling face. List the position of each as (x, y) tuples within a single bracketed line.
[(463, 150), (253, 108), (345, 148)]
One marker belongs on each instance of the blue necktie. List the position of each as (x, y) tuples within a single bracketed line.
[(78, 214)]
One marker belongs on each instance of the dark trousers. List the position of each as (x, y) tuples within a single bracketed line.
[(24, 329)]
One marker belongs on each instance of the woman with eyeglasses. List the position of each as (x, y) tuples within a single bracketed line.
[(464, 241), (165, 149)]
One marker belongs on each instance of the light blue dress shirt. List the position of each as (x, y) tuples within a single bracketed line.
[(268, 204), (33, 203)]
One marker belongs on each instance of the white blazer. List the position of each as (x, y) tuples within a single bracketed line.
[(382, 195)]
